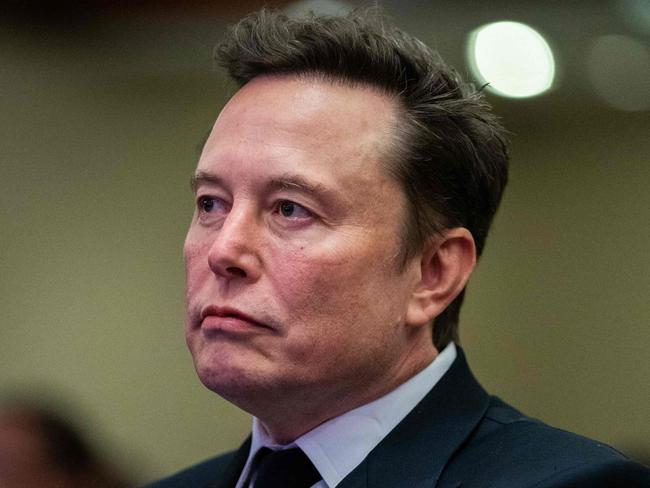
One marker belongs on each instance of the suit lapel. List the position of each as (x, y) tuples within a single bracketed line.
[(231, 474), (417, 450)]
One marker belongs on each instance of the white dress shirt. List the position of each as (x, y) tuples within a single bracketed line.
[(339, 445)]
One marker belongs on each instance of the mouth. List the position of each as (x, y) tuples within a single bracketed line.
[(226, 319)]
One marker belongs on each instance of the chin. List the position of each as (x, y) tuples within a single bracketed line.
[(233, 378)]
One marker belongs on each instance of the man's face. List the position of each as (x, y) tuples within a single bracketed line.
[(293, 286)]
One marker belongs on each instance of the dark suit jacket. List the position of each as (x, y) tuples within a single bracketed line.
[(459, 436)]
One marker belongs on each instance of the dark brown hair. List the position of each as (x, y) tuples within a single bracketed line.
[(450, 153)]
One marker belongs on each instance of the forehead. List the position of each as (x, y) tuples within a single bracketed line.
[(303, 122)]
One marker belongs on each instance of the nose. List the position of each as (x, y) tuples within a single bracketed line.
[(233, 254)]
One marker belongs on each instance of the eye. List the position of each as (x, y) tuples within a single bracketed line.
[(207, 204), (292, 210)]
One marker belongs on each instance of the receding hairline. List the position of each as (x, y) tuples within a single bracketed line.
[(394, 101), (327, 78)]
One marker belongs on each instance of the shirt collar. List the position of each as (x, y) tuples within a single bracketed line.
[(339, 445)]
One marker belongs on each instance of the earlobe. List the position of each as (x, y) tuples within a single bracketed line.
[(446, 265)]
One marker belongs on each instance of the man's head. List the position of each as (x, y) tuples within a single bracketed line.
[(323, 243), (448, 152)]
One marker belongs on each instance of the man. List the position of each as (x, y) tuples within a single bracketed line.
[(342, 199)]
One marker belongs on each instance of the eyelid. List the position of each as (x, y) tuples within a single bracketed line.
[(210, 194)]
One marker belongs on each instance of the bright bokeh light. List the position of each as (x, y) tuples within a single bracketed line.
[(513, 58)]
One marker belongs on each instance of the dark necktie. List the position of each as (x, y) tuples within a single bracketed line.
[(289, 468)]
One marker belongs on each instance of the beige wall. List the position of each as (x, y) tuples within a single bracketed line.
[(98, 137)]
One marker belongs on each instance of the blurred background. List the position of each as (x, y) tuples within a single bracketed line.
[(102, 109)]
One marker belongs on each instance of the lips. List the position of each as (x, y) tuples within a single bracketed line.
[(228, 319)]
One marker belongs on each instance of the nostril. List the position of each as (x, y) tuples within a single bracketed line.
[(235, 271)]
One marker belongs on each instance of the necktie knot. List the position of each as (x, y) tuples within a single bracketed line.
[(287, 468)]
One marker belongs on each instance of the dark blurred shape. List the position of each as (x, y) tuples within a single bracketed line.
[(38, 448), (70, 11)]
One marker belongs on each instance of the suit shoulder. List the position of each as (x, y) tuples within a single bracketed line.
[(198, 475), (618, 472), (505, 426), (510, 449)]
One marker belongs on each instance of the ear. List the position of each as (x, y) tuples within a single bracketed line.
[(447, 262)]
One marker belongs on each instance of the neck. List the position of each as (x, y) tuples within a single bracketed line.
[(285, 421)]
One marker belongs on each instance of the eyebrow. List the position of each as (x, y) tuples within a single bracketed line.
[(202, 178), (299, 183), (287, 181)]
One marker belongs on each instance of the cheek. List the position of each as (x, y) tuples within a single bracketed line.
[(340, 316), (313, 281), (197, 270), (326, 295)]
